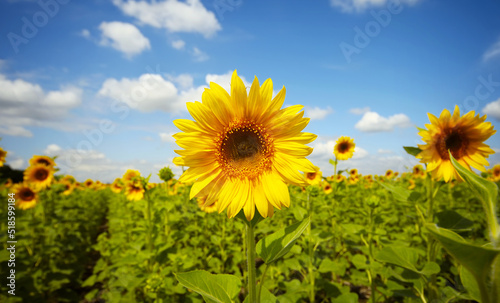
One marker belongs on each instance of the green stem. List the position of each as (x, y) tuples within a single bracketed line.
[(149, 236), (310, 251), (250, 240), (262, 280), (372, 259)]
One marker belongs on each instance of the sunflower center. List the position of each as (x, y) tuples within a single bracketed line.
[(41, 174), (245, 150), (311, 176), (26, 194), (343, 147), (44, 162), (452, 140)]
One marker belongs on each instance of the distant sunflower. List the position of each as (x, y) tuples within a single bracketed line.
[(134, 190), (463, 136), (327, 188), (69, 178), (68, 187), (339, 178), (412, 184), (3, 154), (45, 160), (206, 208), (418, 171), (496, 173), (344, 148), (39, 175), (313, 178), (8, 183), (131, 175), (242, 149), (25, 194), (353, 172), (89, 183), (117, 185)]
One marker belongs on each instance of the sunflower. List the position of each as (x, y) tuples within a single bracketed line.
[(344, 148), (117, 186), (39, 175), (353, 172), (8, 183), (327, 188), (313, 178), (495, 173), (130, 175), (389, 174), (412, 184), (68, 187), (25, 194), (3, 154), (89, 183), (418, 171), (134, 190), (463, 136), (206, 208), (242, 149), (69, 179), (45, 160), (339, 178)]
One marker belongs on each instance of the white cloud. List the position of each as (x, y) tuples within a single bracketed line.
[(176, 16), (385, 151), (124, 37), (359, 110), (178, 44), (350, 6), (492, 52), (85, 33), (184, 81), (373, 122), (27, 104), (317, 113), (16, 164), (198, 55), (492, 109), (167, 137)]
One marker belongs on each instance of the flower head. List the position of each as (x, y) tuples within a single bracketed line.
[(313, 178), (242, 148), (134, 190), (25, 194), (463, 136), (39, 175), (344, 148), (3, 154), (45, 160)]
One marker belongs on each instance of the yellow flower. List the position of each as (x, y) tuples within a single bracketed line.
[(68, 187), (3, 154), (418, 171), (25, 194), (242, 149), (353, 172), (88, 183), (463, 136), (45, 160), (134, 190), (412, 184), (130, 175), (39, 175), (313, 178), (389, 174), (344, 148), (206, 208), (495, 174), (339, 178), (327, 188), (69, 179), (117, 186), (8, 183)]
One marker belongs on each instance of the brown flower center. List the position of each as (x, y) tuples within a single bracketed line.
[(343, 147), (26, 194), (244, 150), (311, 176), (453, 140), (44, 162), (41, 174)]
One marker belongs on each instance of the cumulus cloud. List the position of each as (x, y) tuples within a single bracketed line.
[(492, 52), (350, 6), (188, 16), (317, 113), (27, 104), (124, 37), (373, 122), (167, 137), (178, 44), (492, 109), (85, 33), (359, 110), (198, 55)]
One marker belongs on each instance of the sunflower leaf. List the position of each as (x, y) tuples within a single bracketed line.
[(276, 245), (213, 288), (414, 151), (399, 193)]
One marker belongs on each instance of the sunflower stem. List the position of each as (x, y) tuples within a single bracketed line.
[(250, 240), (310, 250), (149, 238)]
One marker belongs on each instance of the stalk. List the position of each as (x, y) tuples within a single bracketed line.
[(250, 240)]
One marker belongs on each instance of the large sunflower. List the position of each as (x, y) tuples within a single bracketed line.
[(344, 148), (39, 175), (25, 194), (463, 136), (242, 149), (3, 154)]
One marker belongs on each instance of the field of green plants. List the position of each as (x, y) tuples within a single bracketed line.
[(363, 239)]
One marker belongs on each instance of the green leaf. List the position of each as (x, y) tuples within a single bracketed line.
[(265, 297), (278, 244), (405, 257), (346, 298), (477, 259), (359, 261), (470, 284), (213, 288), (450, 219), (486, 191), (399, 193), (414, 151)]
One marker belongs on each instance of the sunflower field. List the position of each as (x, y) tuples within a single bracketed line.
[(251, 219)]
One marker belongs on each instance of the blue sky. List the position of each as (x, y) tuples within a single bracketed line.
[(98, 83)]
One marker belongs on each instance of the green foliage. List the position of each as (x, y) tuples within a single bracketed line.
[(214, 288)]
